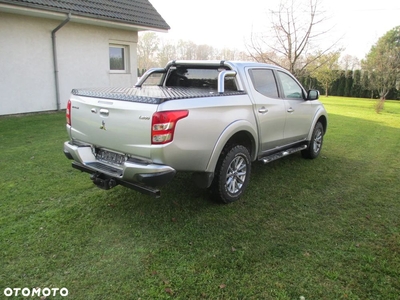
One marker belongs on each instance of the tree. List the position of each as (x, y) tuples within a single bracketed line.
[(147, 48), (349, 83), (356, 90), (166, 53), (186, 50), (325, 69), (365, 92), (383, 64), (293, 36), (349, 62), (155, 51), (342, 83), (204, 52), (231, 54)]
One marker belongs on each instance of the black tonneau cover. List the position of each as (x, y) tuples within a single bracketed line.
[(151, 94)]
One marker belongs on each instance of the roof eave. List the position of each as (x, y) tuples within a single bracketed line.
[(49, 14)]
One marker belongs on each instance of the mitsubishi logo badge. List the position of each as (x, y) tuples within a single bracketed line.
[(103, 125)]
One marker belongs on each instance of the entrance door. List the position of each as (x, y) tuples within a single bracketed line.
[(299, 112), (269, 109)]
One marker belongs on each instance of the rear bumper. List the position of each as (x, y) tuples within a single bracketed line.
[(135, 172)]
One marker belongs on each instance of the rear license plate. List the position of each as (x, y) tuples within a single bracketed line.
[(110, 157)]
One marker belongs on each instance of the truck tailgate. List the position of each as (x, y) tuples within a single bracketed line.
[(122, 126)]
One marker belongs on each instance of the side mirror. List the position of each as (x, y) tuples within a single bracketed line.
[(312, 95)]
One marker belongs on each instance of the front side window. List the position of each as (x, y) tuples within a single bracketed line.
[(291, 88), (118, 61), (264, 82)]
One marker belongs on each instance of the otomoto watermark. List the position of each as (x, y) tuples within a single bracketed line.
[(31, 292)]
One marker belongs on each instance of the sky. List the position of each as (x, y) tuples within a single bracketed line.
[(356, 24)]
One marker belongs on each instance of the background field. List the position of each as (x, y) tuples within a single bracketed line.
[(323, 229)]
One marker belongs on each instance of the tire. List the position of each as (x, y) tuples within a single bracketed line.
[(314, 147), (232, 174)]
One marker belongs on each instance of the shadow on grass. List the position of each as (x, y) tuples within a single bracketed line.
[(352, 160)]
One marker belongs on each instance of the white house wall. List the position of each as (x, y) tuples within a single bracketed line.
[(27, 81)]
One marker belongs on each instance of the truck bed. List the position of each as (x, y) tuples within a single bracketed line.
[(151, 94)]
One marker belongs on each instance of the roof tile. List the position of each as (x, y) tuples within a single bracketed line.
[(135, 12)]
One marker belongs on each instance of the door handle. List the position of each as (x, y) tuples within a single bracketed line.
[(104, 112), (290, 110), (263, 110)]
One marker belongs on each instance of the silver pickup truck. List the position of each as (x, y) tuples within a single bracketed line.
[(210, 118)]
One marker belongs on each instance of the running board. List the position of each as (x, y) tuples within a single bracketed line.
[(275, 156)]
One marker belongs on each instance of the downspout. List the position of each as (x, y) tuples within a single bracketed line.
[(55, 59)]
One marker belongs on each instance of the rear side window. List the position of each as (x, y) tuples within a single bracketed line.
[(264, 82)]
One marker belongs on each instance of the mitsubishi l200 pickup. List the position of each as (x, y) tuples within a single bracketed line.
[(210, 118)]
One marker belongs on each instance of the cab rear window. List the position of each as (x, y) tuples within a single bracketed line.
[(199, 78)]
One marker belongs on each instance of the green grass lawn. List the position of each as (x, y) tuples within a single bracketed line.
[(322, 229)]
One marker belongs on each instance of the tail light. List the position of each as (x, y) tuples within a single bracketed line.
[(68, 112), (163, 125)]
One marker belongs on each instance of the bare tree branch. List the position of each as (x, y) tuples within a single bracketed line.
[(293, 36)]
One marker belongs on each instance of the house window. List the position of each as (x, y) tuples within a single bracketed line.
[(118, 58)]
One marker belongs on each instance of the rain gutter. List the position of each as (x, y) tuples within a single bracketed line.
[(55, 59)]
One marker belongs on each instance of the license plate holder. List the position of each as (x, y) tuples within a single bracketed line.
[(110, 157)]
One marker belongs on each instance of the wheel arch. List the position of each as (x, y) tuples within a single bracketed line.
[(322, 118), (324, 121), (237, 133)]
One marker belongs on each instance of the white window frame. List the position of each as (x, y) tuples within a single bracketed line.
[(126, 57)]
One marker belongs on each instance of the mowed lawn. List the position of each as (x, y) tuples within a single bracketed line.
[(327, 228)]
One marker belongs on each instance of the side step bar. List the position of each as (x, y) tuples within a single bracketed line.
[(275, 156)]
